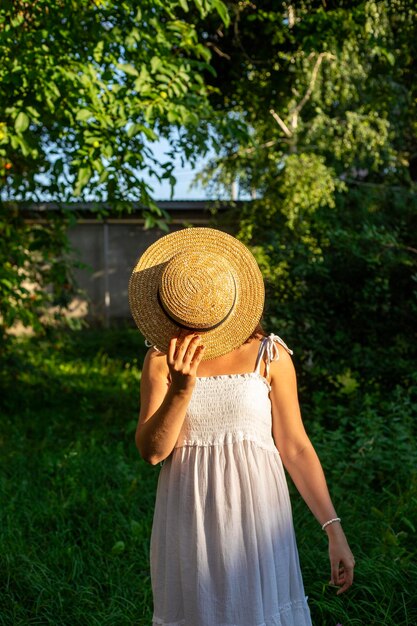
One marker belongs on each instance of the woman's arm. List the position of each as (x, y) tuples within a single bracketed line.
[(163, 405), (303, 465)]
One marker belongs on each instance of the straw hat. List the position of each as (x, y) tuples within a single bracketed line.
[(199, 279)]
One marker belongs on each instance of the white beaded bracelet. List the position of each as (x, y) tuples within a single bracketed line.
[(331, 521)]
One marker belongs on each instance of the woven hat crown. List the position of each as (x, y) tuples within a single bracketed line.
[(197, 289), (200, 279)]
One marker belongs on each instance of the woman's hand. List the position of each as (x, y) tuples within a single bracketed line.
[(341, 560), (184, 356)]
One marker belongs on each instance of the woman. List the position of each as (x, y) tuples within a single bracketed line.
[(219, 408)]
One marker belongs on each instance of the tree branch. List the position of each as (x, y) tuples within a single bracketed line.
[(296, 110), (217, 50), (291, 16), (281, 123), (238, 153)]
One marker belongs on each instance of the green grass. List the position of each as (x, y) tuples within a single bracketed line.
[(76, 500)]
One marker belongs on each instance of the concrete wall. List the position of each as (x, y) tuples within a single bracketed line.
[(110, 250)]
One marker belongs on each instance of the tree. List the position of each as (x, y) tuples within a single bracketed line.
[(329, 96), (86, 86)]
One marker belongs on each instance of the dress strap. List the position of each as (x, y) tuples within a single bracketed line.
[(269, 348)]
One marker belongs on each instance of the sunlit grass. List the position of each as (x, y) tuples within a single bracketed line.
[(76, 498), (77, 501)]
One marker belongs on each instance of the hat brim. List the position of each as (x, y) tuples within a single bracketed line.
[(154, 324)]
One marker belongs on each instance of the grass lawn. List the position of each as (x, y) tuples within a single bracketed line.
[(76, 500)]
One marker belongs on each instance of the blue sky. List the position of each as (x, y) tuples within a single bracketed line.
[(184, 176)]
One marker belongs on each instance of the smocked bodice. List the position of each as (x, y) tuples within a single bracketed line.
[(232, 407), (226, 409)]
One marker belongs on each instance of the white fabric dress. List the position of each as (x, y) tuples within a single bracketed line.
[(223, 550)]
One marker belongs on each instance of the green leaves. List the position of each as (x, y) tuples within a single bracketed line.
[(84, 87), (30, 256), (303, 195), (330, 102), (111, 75), (118, 548), (21, 122), (127, 68), (221, 9), (156, 64), (84, 175), (83, 115)]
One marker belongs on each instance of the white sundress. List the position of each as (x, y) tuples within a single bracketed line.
[(223, 549)]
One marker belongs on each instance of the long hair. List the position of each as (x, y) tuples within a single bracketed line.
[(258, 330)]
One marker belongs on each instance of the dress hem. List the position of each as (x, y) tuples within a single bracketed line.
[(273, 620)]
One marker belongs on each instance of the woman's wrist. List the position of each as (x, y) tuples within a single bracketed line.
[(329, 522), (332, 526), (182, 387), (334, 530)]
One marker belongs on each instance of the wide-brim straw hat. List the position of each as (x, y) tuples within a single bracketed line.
[(201, 280)]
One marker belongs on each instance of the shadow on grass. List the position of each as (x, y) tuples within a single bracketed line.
[(76, 499)]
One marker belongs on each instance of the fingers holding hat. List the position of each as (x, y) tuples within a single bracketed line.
[(196, 360), (182, 344), (184, 355)]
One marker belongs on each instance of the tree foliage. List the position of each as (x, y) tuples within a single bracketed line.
[(329, 96), (36, 273), (86, 86)]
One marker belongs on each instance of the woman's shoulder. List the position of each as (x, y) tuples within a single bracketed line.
[(276, 343), (268, 346), (281, 365), (155, 362), (275, 354)]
